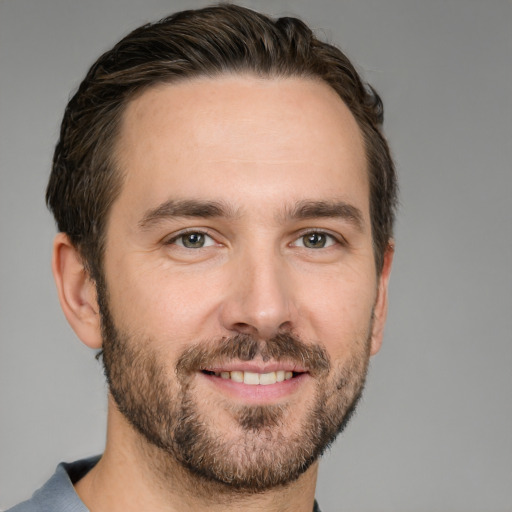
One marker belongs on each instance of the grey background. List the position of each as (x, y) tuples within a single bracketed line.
[(434, 431)]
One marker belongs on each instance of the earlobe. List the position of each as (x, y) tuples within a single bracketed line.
[(381, 304), (77, 292)]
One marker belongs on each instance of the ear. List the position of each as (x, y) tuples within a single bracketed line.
[(381, 304), (77, 292)]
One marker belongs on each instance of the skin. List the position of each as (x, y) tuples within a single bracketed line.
[(259, 147)]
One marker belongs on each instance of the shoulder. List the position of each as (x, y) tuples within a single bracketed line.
[(58, 493)]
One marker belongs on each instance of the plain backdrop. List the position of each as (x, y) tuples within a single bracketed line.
[(434, 431)]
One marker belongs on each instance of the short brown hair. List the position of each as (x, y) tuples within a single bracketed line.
[(207, 42)]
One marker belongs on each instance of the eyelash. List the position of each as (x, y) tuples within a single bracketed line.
[(335, 238), (186, 232)]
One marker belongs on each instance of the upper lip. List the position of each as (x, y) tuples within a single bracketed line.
[(256, 367)]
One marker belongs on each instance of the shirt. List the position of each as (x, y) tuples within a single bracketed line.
[(58, 494)]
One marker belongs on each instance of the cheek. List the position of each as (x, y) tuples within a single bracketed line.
[(158, 301), (340, 312)]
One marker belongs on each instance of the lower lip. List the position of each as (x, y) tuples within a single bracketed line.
[(257, 393)]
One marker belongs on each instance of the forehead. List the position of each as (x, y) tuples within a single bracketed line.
[(203, 136)]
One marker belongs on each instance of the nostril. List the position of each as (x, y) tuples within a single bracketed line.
[(285, 327), (244, 328)]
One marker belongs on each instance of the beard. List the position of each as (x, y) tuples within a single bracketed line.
[(266, 446)]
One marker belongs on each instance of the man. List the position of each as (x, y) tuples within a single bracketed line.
[(225, 202)]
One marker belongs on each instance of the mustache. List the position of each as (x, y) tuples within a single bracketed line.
[(244, 347)]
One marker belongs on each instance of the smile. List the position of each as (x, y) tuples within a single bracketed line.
[(253, 378), (256, 383)]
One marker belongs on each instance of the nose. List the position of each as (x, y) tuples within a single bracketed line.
[(259, 301)]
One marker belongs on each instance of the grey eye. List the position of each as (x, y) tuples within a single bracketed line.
[(194, 240), (314, 240)]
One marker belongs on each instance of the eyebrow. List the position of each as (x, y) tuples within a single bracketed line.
[(185, 208), (304, 210)]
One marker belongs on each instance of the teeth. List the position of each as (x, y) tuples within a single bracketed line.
[(237, 376), (253, 378), (268, 378)]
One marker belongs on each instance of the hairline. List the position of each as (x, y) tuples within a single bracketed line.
[(114, 160)]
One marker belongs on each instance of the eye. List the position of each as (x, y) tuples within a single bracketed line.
[(315, 240), (193, 240)]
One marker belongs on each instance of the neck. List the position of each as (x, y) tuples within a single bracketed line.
[(135, 475)]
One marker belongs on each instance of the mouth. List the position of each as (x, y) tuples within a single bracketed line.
[(254, 378), (254, 383)]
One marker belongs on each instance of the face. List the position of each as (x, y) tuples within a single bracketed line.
[(242, 301)]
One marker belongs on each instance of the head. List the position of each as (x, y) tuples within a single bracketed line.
[(224, 183)]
